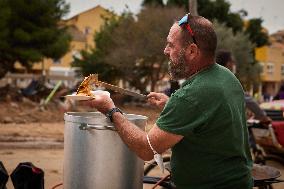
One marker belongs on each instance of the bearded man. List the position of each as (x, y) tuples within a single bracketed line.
[(203, 122)]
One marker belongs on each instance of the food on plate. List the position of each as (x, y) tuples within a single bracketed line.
[(85, 87)]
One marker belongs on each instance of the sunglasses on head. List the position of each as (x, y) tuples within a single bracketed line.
[(184, 23)]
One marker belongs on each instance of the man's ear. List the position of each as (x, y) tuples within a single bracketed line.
[(192, 51)]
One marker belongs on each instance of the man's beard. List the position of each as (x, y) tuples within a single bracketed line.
[(177, 69)]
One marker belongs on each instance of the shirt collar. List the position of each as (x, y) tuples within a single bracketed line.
[(188, 80)]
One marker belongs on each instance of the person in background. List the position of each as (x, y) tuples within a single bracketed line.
[(280, 94), (174, 85), (203, 122), (225, 58)]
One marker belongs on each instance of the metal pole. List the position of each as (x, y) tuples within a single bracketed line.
[(52, 92), (43, 72), (192, 7)]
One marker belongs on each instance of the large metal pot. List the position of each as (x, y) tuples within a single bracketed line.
[(95, 157)]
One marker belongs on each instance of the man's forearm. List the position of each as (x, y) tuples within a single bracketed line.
[(133, 137)]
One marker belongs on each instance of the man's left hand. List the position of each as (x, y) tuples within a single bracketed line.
[(103, 103)]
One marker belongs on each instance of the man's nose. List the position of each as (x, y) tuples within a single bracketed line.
[(166, 51)]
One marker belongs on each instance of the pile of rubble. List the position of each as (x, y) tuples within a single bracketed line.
[(10, 93), (27, 111)]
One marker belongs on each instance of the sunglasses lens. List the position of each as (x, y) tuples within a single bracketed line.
[(183, 20)]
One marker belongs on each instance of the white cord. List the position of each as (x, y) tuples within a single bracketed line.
[(154, 151), (157, 157)]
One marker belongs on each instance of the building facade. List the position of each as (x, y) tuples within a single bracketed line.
[(82, 28), (271, 58)]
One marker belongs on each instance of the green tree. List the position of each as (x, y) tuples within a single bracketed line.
[(92, 61), (180, 3), (138, 50), (153, 2), (241, 48), (220, 10), (5, 56), (33, 32), (131, 48), (256, 33)]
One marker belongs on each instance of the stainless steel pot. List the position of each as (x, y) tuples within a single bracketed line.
[(95, 157)]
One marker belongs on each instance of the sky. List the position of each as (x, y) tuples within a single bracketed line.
[(271, 11)]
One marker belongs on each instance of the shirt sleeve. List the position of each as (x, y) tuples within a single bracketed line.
[(181, 116)]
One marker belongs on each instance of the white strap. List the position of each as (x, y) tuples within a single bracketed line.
[(157, 157), (154, 151)]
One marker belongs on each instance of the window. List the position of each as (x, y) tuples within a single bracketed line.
[(282, 69), (261, 67), (270, 68), (87, 30), (56, 61)]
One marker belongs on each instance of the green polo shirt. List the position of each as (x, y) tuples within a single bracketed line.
[(209, 111)]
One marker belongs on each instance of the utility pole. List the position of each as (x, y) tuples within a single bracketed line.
[(192, 7)]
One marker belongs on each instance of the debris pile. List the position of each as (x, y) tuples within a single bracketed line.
[(27, 111)]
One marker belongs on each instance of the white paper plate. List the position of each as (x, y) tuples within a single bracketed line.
[(78, 97), (100, 92)]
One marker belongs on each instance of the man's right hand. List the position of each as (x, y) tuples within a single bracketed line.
[(265, 121), (157, 99)]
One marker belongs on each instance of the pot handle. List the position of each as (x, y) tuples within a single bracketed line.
[(86, 126)]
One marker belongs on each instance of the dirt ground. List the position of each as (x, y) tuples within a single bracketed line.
[(39, 138), (50, 160), (32, 134)]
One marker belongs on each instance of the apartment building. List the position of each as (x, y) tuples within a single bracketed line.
[(271, 58), (82, 28)]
